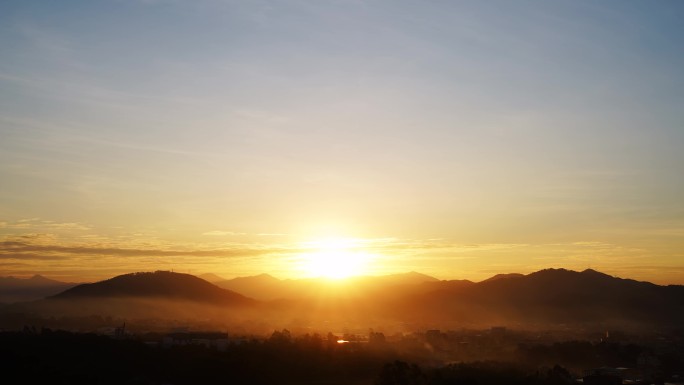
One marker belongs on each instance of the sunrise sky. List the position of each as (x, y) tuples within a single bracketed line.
[(456, 138)]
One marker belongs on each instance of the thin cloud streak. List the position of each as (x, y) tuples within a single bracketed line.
[(19, 247), (30, 256)]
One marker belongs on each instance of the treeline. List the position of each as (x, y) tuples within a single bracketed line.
[(476, 373), (583, 354), (59, 357)]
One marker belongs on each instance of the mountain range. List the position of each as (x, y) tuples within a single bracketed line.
[(555, 296), (266, 287), (550, 297), (27, 289)]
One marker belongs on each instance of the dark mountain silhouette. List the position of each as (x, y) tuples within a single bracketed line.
[(159, 295), (504, 276), (159, 284), (551, 297), (556, 296), (28, 289)]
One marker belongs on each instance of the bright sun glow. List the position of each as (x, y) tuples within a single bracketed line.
[(334, 259)]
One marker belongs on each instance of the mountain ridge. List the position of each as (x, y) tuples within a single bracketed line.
[(545, 297), (162, 284), (13, 289), (562, 296)]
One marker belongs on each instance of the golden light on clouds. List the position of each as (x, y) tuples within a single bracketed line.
[(76, 252)]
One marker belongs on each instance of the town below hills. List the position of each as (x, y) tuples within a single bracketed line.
[(550, 298)]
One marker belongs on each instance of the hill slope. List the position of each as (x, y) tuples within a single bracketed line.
[(159, 284), (555, 296)]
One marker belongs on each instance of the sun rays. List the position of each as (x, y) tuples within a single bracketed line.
[(334, 258)]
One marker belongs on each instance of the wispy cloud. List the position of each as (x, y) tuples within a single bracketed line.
[(20, 248), (220, 233), (28, 256), (393, 244), (40, 224)]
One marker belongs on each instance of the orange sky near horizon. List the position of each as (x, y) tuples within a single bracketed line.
[(91, 257)]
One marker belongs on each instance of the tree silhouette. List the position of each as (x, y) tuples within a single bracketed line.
[(400, 373)]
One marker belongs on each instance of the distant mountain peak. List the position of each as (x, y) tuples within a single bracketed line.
[(566, 272), (211, 277), (413, 275), (504, 276), (37, 276), (267, 276), (27, 289), (594, 272), (164, 284), (263, 277), (552, 272), (39, 280)]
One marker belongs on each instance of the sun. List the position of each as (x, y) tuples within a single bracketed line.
[(334, 259)]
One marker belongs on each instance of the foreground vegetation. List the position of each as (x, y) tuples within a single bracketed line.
[(59, 357)]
